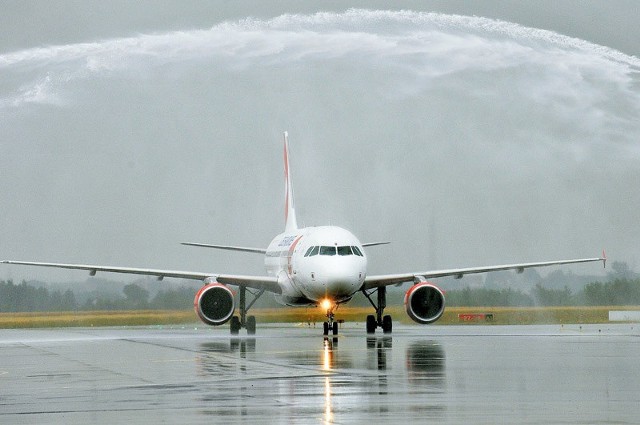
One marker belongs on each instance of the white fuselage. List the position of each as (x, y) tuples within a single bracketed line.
[(315, 264)]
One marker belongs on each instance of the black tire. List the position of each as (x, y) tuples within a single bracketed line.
[(387, 324), (371, 324), (235, 325), (325, 328), (335, 328), (251, 325)]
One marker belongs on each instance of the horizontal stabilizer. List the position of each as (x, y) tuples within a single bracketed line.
[(374, 243)]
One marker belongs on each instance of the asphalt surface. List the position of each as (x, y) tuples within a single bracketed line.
[(291, 374)]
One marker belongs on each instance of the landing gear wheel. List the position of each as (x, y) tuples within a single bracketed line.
[(387, 324), (235, 325), (335, 328), (325, 328), (371, 324), (251, 325), (378, 320)]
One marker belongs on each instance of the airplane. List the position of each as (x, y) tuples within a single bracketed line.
[(321, 266)]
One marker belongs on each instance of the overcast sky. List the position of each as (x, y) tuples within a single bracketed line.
[(467, 134)]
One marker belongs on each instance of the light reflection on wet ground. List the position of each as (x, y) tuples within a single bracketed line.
[(285, 374)]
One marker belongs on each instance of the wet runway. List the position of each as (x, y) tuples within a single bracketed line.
[(291, 375)]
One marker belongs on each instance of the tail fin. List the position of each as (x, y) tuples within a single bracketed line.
[(289, 210)]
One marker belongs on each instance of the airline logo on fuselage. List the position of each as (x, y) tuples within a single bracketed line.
[(287, 240)]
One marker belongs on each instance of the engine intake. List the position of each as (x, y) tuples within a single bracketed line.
[(214, 304), (424, 302)]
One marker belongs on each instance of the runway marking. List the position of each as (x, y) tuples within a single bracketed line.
[(4, 372)]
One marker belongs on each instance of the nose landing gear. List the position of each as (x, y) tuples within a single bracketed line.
[(330, 325)]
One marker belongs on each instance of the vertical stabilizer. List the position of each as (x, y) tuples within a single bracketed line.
[(290, 223)]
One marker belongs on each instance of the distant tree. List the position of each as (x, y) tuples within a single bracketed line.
[(617, 292), (27, 298), (136, 296), (595, 294), (552, 297), (625, 291), (69, 302), (621, 270), (173, 299), (483, 297)]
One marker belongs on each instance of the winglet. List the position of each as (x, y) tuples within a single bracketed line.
[(289, 209), (604, 259)]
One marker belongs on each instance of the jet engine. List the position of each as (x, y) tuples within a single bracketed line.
[(214, 304), (424, 302)]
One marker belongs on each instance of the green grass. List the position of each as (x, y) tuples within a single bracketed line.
[(501, 316), (95, 318)]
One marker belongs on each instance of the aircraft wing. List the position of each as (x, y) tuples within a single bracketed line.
[(378, 281), (226, 247), (267, 283)]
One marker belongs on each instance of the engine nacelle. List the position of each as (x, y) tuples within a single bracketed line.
[(424, 302), (214, 304)]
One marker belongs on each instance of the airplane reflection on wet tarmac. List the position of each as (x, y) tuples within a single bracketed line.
[(533, 374), (424, 362), (422, 357)]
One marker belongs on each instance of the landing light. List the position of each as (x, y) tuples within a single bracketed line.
[(326, 304)]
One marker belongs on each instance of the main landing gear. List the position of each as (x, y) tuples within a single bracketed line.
[(379, 320), (244, 321)]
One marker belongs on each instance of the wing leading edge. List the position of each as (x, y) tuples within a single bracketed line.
[(226, 247), (258, 282), (378, 281)]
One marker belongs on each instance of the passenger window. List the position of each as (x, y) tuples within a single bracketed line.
[(315, 251), (327, 250), (344, 250), (357, 251)]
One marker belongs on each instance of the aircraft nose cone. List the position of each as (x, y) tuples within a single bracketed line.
[(342, 282)]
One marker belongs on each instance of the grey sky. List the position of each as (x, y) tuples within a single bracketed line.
[(129, 127), (30, 23)]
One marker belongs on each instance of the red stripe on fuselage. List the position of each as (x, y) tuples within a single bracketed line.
[(291, 248)]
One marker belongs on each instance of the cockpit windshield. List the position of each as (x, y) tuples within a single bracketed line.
[(344, 250), (327, 250), (332, 250)]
